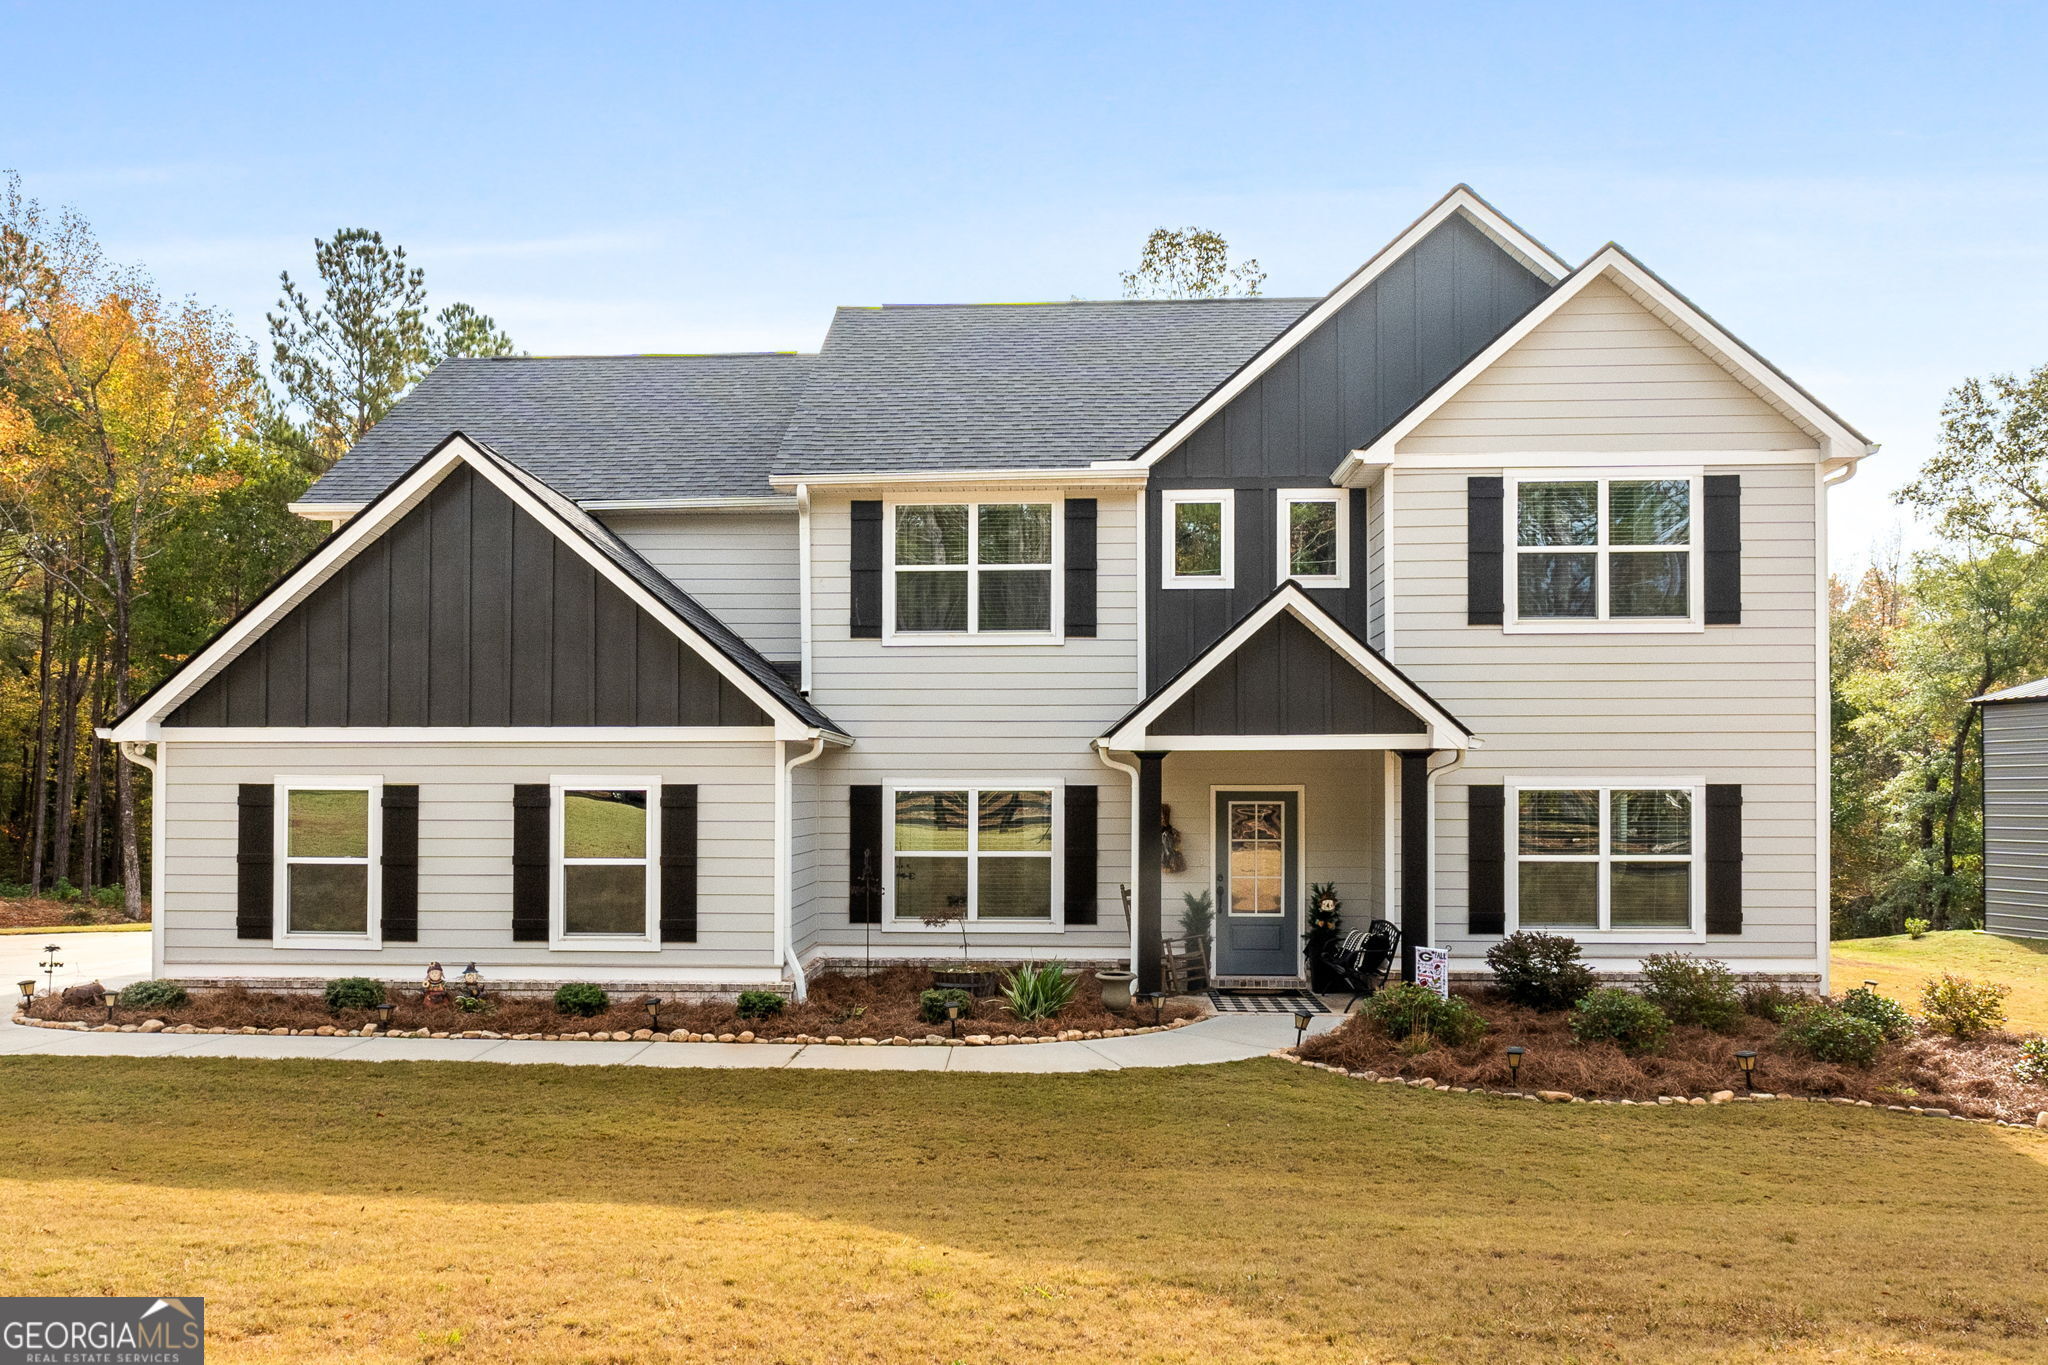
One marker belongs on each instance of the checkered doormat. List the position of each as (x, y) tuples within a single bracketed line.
[(1231, 1002)]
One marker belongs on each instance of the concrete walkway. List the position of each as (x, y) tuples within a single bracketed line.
[(116, 959)]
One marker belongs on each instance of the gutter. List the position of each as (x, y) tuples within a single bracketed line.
[(1130, 914), (785, 936)]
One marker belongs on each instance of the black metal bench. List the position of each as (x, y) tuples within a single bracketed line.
[(1363, 960)]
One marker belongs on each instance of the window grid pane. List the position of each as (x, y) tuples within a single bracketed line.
[(982, 854), (1612, 859), (328, 824), (1637, 560)]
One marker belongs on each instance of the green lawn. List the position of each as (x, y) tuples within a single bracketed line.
[(412, 1211), (1900, 965)]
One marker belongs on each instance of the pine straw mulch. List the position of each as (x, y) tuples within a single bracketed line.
[(40, 912), (1974, 1078), (883, 1005)]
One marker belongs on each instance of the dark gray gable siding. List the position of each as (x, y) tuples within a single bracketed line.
[(1427, 314), (1285, 681), (467, 611)]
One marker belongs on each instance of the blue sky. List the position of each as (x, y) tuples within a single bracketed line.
[(1857, 190)]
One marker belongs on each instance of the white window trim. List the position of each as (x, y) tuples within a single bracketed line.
[(559, 940), (281, 820), (1283, 500), (1695, 620), (973, 635), (975, 926), (1694, 787), (1175, 497)]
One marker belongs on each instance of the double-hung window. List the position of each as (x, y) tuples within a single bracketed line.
[(1314, 536), (1624, 551), (605, 869), (328, 846), (973, 569), (1197, 538), (1612, 857), (984, 854)]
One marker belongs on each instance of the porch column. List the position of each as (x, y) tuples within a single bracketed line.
[(1151, 845), (1415, 861)]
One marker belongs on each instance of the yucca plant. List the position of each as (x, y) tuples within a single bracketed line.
[(1038, 992)]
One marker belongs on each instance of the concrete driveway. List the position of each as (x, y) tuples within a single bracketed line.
[(110, 959)]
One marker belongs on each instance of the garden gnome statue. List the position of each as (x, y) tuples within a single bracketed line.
[(436, 992)]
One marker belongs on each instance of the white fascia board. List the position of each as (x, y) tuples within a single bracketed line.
[(1107, 474), (1361, 469), (1532, 254), (1836, 440), (1444, 732), (469, 734), (1285, 743), (343, 546), (324, 511), (760, 504)]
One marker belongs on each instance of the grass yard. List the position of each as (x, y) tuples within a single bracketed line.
[(414, 1211), (1900, 965)]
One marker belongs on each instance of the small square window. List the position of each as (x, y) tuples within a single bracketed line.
[(1198, 532), (1314, 536)]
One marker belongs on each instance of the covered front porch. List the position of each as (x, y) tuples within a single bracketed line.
[(1289, 755)]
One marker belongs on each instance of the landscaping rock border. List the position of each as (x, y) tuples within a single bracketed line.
[(636, 1036), (1668, 1101)]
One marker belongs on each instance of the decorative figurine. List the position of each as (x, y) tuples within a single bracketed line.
[(1170, 856), (436, 992)]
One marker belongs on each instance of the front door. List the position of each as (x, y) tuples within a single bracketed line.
[(1258, 894)]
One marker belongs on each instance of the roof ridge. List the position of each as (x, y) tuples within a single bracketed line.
[(643, 355), (1070, 303)]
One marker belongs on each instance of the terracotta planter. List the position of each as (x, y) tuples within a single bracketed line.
[(1116, 990)]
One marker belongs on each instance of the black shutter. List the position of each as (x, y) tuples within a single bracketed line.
[(1081, 570), (866, 585), (255, 859), (1721, 537), (864, 855), (679, 863), (1485, 546), (530, 809), (1081, 845), (1486, 828), (401, 873), (1724, 858)]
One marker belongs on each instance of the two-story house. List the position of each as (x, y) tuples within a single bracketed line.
[(1490, 589)]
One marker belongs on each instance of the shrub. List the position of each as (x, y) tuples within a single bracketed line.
[(1917, 928), (931, 1005), (109, 896), (1542, 971), (65, 891), (1769, 1000), (758, 1005), (2032, 1064), (16, 890), (354, 993), (1692, 990), (1419, 1012), (1613, 1015), (152, 995), (78, 914), (1963, 1008), (1829, 1034), (473, 1004), (581, 998), (1038, 992), (1888, 1014)]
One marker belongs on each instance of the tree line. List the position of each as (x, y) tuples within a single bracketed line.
[(147, 460)]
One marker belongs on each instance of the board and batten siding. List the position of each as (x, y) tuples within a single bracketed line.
[(2016, 818), (1730, 704), (742, 566), (465, 858), (981, 712)]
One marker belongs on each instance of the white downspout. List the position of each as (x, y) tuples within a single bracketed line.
[(131, 749), (803, 587), (785, 935), (1130, 912)]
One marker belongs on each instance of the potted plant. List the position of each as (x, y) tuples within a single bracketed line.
[(1324, 922), (966, 976)]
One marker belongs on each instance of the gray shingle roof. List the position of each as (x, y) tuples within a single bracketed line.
[(1016, 386), (594, 427)]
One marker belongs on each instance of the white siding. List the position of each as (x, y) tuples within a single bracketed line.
[(466, 857), (741, 565), (2016, 818), (980, 712), (1604, 374), (1730, 704)]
